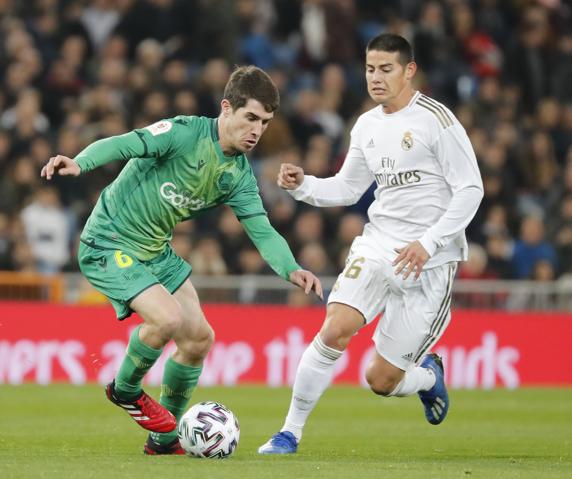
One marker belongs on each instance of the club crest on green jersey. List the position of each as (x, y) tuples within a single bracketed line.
[(225, 181)]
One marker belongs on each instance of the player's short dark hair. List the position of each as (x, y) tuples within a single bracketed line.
[(250, 82), (390, 42)]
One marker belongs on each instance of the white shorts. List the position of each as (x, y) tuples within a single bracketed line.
[(415, 312)]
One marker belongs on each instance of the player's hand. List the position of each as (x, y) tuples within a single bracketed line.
[(411, 258), (307, 281), (62, 164), (290, 176)]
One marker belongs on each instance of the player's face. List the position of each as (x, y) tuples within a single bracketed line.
[(245, 125), (386, 77)]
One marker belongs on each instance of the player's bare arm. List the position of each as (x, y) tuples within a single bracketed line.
[(411, 258), (307, 281), (290, 176), (61, 164)]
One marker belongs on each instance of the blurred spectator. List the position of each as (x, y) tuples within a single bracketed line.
[(349, 226), (251, 263), (539, 170), (233, 239), (561, 234), (47, 230), (313, 257), (211, 85), (477, 268), (99, 20), (531, 58), (500, 251), (18, 183), (562, 78), (5, 242), (477, 265), (308, 227), (303, 120), (543, 271), (531, 248), (206, 257)]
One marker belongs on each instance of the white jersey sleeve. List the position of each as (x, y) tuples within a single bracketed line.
[(343, 189), (456, 156)]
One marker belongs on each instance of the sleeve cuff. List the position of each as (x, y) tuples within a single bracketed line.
[(289, 272), (429, 245), (82, 170), (302, 190)]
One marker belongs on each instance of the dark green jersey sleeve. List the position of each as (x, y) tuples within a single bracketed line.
[(100, 152), (247, 205), (272, 247), (244, 198), (162, 139)]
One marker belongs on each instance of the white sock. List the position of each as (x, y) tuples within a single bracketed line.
[(313, 376), (418, 379)]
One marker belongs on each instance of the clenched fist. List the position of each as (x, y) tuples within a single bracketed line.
[(290, 176)]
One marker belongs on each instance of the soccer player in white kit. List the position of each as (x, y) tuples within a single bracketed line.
[(428, 190)]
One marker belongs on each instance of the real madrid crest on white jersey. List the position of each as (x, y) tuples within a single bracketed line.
[(407, 141)]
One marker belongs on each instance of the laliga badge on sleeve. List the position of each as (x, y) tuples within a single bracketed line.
[(162, 126)]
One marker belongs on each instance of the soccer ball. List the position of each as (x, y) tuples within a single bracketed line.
[(209, 429)]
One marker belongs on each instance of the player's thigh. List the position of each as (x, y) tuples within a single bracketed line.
[(118, 275), (362, 286), (158, 308), (416, 315)]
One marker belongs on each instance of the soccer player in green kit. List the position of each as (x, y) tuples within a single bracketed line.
[(177, 168)]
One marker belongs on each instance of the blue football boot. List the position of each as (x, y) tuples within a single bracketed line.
[(282, 442), (436, 400)]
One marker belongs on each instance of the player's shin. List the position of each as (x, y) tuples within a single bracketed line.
[(415, 380), (139, 358), (313, 376), (179, 382)]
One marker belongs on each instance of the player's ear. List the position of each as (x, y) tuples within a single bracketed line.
[(225, 107), (410, 70)]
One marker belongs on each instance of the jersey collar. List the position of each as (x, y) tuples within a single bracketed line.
[(404, 109)]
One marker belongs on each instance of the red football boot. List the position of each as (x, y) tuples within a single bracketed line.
[(144, 410), (153, 449)]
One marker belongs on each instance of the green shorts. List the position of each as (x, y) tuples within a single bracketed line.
[(121, 277)]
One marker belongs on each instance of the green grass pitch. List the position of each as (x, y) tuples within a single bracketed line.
[(63, 431)]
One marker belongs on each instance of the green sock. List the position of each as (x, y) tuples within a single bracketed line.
[(179, 382), (138, 360)]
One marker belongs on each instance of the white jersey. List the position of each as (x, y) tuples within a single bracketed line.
[(428, 182)]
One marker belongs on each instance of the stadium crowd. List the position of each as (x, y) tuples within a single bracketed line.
[(75, 71)]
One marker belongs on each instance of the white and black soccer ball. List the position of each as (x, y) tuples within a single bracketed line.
[(209, 429)]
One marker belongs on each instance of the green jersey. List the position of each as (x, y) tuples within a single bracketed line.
[(176, 171)]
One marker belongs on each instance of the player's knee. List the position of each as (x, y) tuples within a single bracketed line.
[(340, 326), (168, 325), (336, 334), (204, 342), (196, 348), (381, 384), (335, 338)]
